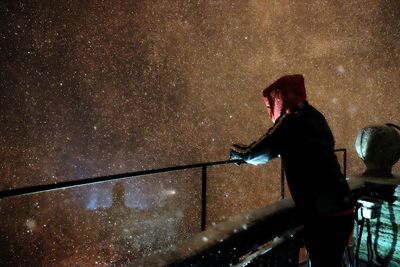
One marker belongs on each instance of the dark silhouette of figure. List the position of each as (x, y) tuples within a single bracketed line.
[(302, 138)]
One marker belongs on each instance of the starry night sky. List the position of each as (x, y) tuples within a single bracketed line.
[(93, 88)]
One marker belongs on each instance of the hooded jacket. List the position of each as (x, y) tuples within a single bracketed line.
[(284, 95), (304, 141)]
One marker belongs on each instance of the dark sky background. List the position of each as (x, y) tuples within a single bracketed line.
[(91, 88)]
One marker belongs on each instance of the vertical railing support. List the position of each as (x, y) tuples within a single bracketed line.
[(203, 197), (282, 181), (345, 163)]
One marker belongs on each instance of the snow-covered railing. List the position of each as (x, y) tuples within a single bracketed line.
[(271, 235), (239, 241)]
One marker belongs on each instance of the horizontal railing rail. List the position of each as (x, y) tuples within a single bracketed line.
[(279, 252), (89, 181), (94, 180), (115, 177)]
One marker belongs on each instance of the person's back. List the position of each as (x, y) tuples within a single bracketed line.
[(312, 169)]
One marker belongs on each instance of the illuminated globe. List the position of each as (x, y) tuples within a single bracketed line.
[(379, 148)]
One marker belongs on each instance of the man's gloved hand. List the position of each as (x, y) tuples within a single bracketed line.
[(238, 152), (235, 155)]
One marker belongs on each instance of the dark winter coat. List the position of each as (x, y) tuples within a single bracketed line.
[(305, 144)]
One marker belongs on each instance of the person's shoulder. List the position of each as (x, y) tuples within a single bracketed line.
[(286, 120), (309, 108), (290, 116), (313, 112)]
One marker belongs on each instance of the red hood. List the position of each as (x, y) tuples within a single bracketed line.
[(284, 95)]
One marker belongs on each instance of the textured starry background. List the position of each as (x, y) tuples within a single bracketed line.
[(92, 88)]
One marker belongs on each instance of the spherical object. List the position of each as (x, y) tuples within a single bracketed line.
[(379, 148)]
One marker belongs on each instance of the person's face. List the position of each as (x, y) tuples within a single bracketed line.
[(275, 105)]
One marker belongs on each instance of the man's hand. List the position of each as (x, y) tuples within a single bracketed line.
[(233, 155), (238, 152)]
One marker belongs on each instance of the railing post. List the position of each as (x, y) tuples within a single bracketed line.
[(345, 163), (203, 197), (282, 181)]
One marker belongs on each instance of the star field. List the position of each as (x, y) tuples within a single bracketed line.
[(93, 88)]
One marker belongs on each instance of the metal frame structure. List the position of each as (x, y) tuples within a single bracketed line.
[(89, 181)]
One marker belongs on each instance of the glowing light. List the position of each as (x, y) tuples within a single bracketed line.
[(170, 192)]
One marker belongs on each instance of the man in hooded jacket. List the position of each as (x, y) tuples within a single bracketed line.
[(302, 138)]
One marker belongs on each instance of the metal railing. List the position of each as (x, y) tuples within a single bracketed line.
[(89, 181), (115, 177)]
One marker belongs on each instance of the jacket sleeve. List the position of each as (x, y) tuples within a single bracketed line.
[(265, 148)]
